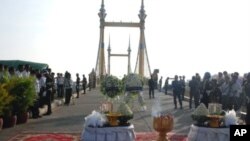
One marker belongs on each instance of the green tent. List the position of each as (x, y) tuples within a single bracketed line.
[(15, 63)]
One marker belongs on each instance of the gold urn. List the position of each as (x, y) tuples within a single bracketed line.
[(113, 118), (214, 120), (163, 125)]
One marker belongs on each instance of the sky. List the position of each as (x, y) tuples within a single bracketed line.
[(183, 37)]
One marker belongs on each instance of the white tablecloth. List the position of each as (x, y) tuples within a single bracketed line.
[(208, 134), (124, 133)]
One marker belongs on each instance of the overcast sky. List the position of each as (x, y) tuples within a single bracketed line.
[(182, 36)]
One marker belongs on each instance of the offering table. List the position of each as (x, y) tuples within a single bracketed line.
[(208, 134), (117, 133)]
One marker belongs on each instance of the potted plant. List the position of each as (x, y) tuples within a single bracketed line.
[(6, 107), (5, 99), (23, 91)]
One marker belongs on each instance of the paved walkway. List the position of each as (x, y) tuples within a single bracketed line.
[(71, 118)]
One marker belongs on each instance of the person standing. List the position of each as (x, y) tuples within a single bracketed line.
[(215, 94), (160, 83), (90, 81), (183, 85), (48, 84), (42, 85), (246, 90), (84, 83), (166, 86), (19, 72), (177, 91), (234, 93), (220, 79), (35, 107), (94, 78), (59, 82), (206, 88), (77, 85), (225, 93), (52, 75), (151, 85), (68, 87), (194, 92)]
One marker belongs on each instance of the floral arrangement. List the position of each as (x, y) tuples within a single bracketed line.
[(200, 114), (131, 95), (124, 109), (230, 118), (133, 82), (126, 113), (95, 119), (111, 86), (201, 110)]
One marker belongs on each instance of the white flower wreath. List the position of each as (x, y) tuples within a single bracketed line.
[(133, 88)]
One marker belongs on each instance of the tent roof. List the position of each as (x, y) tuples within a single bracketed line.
[(15, 63)]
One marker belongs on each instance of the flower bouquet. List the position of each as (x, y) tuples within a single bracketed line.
[(111, 86), (200, 114), (230, 118), (95, 119)]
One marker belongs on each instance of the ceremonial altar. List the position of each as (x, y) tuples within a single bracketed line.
[(208, 134), (119, 133), (111, 123), (212, 124)]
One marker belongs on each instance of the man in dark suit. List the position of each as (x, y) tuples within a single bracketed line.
[(48, 83), (151, 85), (177, 91)]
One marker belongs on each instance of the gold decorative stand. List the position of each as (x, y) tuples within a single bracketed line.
[(163, 125)]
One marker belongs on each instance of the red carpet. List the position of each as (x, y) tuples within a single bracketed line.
[(152, 136), (140, 136), (46, 137)]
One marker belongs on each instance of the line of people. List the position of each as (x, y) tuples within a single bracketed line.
[(47, 85)]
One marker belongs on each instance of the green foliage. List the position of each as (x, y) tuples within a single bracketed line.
[(4, 78), (5, 101), (23, 91), (111, 86)]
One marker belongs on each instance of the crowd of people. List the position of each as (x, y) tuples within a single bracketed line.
[(48, 86), (230, 90)]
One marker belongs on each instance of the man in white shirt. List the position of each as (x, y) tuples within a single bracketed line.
[(59, 82), (235, 90), (20, 70)]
